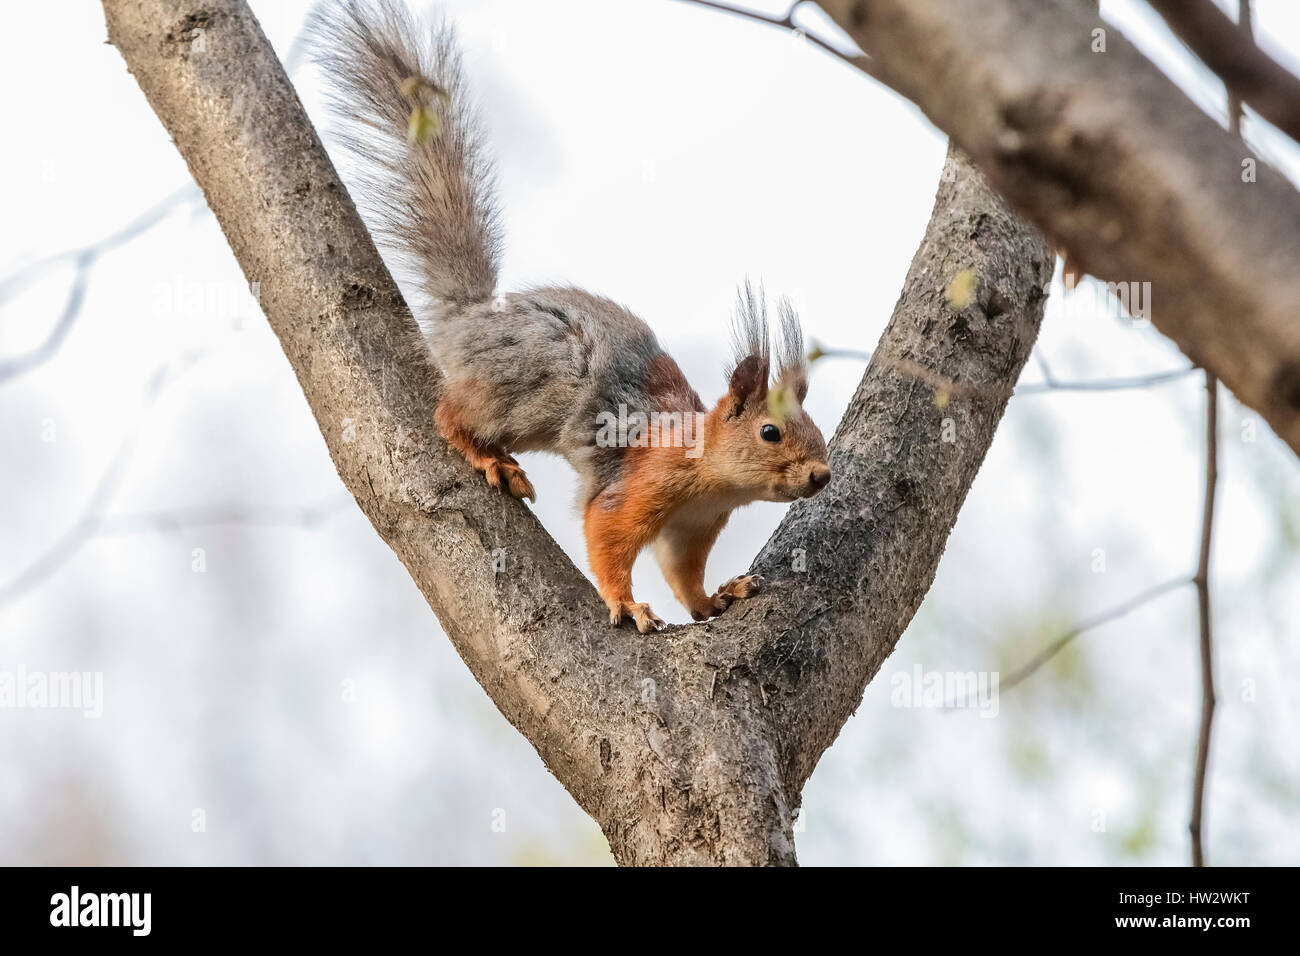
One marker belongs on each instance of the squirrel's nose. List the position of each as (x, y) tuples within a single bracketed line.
[(819, 477)]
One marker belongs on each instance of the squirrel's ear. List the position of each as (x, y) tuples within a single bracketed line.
[(748, 383)]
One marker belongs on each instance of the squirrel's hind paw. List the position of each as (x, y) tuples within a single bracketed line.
[(646, 619), (501, 473)]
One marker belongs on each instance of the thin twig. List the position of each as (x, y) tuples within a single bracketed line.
[(1106, 384), (13, 283), (87, 257), (1202, 581), (1050, 384), (1027, 670), (857, 61), (174, 520), (1196, 825), (94, 524), (84, 259)]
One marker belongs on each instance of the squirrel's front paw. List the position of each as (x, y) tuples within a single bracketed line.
[(742, 586), (646, 619), (737, 588), (501, 473)]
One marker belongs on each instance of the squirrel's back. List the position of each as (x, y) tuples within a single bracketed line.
[(536, 370)]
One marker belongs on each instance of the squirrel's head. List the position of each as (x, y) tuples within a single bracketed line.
[(765, 446)]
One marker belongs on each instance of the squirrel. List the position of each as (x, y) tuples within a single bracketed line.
[(553, 368)]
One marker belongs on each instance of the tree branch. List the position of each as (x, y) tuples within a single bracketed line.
[(1229, 50), (1120, 169)]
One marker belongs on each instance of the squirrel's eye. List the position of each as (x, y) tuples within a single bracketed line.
[(770, 433)]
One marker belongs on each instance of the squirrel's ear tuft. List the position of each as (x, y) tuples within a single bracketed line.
[(748, 383), (792, 360)]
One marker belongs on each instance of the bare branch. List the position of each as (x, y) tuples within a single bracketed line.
[(857, 61), (87, 257), (848, 569), (1093, 143), (84, 260), (13, 367), (1197, 823), (175, 520), (1120, 383), (16, 281), (1229, 50), (944, 388), (1202, 581)]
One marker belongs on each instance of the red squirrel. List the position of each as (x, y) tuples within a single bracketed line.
[(559, 369)]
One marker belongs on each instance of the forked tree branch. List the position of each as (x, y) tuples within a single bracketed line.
[(691, 746)]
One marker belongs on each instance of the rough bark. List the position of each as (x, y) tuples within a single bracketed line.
[(688, 747), (1117, 166)]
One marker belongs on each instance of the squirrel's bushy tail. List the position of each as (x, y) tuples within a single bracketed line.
[(429, 201)]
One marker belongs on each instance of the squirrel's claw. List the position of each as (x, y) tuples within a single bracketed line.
[(741, 586), (520, 486), (645, 619), (738, 588), (506, 473)]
